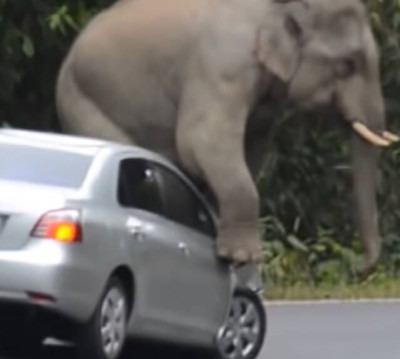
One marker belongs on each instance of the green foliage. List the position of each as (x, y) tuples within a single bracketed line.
[(306, 188), (34, 37)]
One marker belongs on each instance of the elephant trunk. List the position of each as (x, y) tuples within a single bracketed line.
[(363, 103), (364, 161), (360, 100)]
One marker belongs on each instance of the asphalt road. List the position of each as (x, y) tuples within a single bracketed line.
[(306, 331), (334, 331)]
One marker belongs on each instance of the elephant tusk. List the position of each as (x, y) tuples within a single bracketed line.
[(390, 136), (369, 136)]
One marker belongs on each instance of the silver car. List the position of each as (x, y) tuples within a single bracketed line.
[(102, 242)]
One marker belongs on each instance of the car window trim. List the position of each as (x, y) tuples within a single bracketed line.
[(196, 197), (132, 155)]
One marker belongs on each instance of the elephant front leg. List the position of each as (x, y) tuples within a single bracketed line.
[(229, 178), (210, 144), (239, 238)]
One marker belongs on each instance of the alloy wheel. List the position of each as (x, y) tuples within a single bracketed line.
[(243, 334), (113, 322)]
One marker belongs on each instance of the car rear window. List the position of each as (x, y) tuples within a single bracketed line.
[(43, 166)]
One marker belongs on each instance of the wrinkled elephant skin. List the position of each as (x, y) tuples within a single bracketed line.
[(183, 78)]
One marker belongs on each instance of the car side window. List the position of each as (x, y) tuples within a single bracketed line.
[(181, 203), (137, 186)]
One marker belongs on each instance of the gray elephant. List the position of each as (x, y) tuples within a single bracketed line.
[(187, 78)]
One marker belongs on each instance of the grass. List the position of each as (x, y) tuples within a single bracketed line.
[(388, 289)]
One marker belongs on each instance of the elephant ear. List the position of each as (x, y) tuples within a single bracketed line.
[(280, 43)]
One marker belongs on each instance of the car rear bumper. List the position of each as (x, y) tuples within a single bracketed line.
[(19, 319), (46, 275)]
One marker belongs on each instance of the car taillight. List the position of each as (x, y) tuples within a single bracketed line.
[(60, 225)]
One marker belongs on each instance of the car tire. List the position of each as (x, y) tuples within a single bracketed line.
[(104, 336), (243, 335)]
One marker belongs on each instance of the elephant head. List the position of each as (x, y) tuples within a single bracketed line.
[(325, 54)]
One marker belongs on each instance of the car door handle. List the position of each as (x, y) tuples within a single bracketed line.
[(183, 248), (133, 224), (135, 228)]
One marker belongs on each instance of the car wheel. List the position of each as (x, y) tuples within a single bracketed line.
[(105, 335), (243, 334)]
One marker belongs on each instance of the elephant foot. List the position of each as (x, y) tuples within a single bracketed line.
[(369, 266), (240, 244)]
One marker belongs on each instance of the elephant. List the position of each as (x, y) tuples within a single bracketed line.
[(189, 79)]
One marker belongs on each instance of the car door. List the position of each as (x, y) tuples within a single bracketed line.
[(154, 252), (206, 282)]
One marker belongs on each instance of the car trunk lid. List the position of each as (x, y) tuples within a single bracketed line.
[(21, 206)]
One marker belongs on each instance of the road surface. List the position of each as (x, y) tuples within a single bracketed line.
[(367, 330), (334, 331)]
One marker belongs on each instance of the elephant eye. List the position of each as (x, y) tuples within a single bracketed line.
[(345, 68)]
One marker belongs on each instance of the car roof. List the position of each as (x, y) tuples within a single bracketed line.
[(51, 140), (78, 144), (69, 143)]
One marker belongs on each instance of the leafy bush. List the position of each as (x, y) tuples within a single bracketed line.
[(34, 37)]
